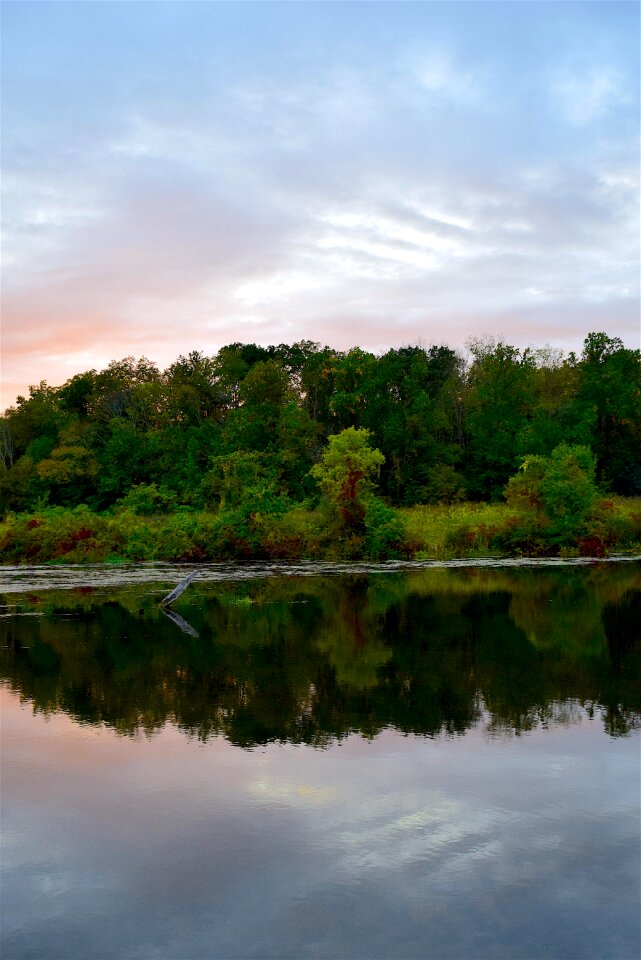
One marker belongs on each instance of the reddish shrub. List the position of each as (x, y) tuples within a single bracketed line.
[(72, 541), (194, 553), (593, 546), (82, 534), (286, 548)]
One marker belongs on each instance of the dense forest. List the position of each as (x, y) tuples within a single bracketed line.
[(251, 429)]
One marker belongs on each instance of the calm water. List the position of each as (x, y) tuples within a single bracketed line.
[(427, 762)]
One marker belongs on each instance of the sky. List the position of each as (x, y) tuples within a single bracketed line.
[(180, 176)]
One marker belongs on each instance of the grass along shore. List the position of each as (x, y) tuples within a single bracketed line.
[(440, 532)]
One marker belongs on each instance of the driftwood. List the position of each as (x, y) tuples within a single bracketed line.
[(180, 589)]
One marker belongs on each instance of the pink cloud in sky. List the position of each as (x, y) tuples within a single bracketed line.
[(354, 174)]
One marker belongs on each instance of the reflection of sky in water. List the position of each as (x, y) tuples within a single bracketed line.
[(399, 847)]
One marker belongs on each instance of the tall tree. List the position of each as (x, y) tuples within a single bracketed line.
[(608, 402), (193, 393), (498, 401)]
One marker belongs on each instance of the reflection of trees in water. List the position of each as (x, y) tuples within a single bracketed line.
[(351, 637), (311, 659), (562, 713)]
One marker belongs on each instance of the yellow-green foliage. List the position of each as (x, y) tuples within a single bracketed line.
[(481, 529), (298, 533), (617, 520), (457, 530)]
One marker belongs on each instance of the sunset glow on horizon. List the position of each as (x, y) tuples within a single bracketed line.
[(179, 176)]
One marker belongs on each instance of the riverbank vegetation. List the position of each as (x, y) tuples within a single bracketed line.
[(302, 451)]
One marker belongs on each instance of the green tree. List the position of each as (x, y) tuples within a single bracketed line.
[(232, 363), (411, 411), (608, 402), (559, 489), (498, 403), (242, 478), (38, 415), (568, 489), (263, 393), (71, 469), (147, 499), (353, 374), (129, 389), (317, 385), (76, 394), (193, 392), (298, 441), (346, 474), (123, 461), (552, 418)]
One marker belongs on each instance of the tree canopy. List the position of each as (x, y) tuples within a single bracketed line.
[(439, 428)]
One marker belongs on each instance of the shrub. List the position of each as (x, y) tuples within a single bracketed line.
[(444, 485), (557, 493), (384, 533), (294, 534), (238, 479), (146, 499)]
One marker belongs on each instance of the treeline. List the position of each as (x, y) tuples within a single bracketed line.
[(252, 415)]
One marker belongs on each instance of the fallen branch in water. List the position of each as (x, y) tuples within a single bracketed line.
[(177, 591)]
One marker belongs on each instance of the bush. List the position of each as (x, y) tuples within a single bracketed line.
[(556, 494), (444, 485), (617, 522), (185, 536), (238, 479), (146, 499), (384, 533), (297, 533), (56, 533)]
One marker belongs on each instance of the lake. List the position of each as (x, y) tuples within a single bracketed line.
[(405, 760)]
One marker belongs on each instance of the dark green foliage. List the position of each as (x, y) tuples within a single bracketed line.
[(497, 405), (75, 396), (608, 401), (193, 393), (244, 478), (124, 460), (246, 427), (412, 413), (568, 490), (384, 533), (19, 486)]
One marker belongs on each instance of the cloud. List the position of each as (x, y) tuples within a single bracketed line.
[(443, 77), (179, 265), (586, 97), (367, 190)]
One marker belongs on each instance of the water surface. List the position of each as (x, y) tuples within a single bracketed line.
[(425, 762)]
